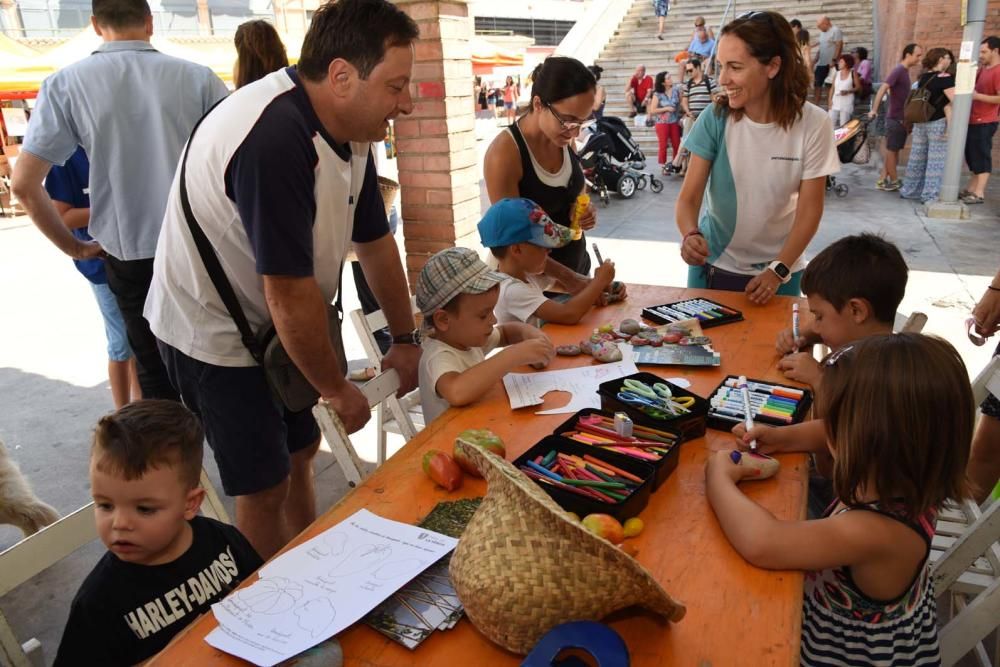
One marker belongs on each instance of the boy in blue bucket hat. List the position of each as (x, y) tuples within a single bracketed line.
[(520, 235)]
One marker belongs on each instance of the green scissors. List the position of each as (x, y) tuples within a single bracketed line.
[(659, 393)]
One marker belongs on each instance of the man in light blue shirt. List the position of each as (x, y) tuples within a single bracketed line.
[(132, 109), (701, 44)]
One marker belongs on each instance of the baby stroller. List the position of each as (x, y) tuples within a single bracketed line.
[(852, 147), (611, 161)]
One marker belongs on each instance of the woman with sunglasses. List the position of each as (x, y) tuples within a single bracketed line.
[(760, 156), (534, 158)]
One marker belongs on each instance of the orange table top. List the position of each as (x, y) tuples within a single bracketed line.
[(735, 612)]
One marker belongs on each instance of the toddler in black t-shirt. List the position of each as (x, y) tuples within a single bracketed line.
[(165, 565)]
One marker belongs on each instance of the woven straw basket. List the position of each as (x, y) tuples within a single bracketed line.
[(523, 566)]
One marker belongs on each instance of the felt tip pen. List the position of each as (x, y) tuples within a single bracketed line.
[(716, 306), (706, 307), (673, 313), (788, 392), (738, 402), (691, 312), (795, 325), (597, 253), (747, 419)]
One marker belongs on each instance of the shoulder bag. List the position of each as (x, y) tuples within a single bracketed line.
[(919, 108)]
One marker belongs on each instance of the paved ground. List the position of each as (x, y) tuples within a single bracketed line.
[(52, 376)]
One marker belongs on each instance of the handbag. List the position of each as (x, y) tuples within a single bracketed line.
[(918, 107), (289, 386), (716, 278)]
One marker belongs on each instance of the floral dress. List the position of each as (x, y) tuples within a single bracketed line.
[(843, 626)]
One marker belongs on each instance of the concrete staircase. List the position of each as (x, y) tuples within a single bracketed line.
[(635, 41)]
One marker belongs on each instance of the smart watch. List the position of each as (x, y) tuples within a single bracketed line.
[(780, 270), (412, 338)]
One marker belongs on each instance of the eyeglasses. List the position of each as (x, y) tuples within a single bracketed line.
[(689, 71), (569, 125), (754, 16), (832, 359)]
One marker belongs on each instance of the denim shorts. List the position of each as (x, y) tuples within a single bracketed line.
[(251, 434), (114, 325)]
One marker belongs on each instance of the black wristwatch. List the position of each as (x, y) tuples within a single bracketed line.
[(783, 272), (412, 338)]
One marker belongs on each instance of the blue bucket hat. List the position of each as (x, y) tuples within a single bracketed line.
[(511, 221)]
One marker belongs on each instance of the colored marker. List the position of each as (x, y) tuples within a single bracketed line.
[(716, 306), (795, 325), (597, 252), (747, 419), (777, 390), (673, 313)]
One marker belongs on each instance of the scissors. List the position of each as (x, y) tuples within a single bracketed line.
[(648, 406), (659, 394)]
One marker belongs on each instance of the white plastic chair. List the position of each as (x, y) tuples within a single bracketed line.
[(965, 553), (36, 553), (405, 415), (969, 573), (378, 390)]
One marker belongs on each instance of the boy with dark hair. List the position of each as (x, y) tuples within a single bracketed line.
[(854, 287), (520, 235), (165, 565), (456, 293)]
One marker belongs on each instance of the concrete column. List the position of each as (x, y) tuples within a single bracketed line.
[(438, 167)]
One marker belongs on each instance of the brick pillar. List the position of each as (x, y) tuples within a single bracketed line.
[(438, 167)]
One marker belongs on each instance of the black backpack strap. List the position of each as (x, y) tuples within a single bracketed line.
[(212, 264)]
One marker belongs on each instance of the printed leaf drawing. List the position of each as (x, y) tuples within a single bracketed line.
[(274, 595), (398, 568), (315, 616), (362, 558)]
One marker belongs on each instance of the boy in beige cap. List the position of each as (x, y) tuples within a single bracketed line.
[(456, 294)]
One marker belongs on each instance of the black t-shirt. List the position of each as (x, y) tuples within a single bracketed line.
[(939, 82), (125, 613)]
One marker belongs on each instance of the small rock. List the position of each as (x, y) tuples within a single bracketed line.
[(606, 352), (638, 341), (629, 326), (568, 350)]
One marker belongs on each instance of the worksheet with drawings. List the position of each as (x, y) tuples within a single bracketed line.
[(322, 586)]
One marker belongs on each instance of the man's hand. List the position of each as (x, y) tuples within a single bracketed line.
[(87, 250), (351, 406), (406, 360), (801, 367)]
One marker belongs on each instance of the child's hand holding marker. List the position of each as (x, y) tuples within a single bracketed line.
[(768, 438)]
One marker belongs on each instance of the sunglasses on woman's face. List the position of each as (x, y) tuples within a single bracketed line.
[(689, 71)]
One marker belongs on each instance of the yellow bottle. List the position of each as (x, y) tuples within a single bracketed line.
[(581, 206)]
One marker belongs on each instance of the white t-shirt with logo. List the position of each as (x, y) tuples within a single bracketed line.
[(439, 358), (753, 185)]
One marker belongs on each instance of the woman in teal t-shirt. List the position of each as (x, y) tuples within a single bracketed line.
[(759, 160)]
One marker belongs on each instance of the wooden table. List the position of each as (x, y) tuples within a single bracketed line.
[(736, 613)]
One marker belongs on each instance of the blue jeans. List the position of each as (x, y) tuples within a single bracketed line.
[(114, 325)]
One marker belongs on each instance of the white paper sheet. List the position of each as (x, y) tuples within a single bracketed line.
[(322, 586), (524, 389)]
